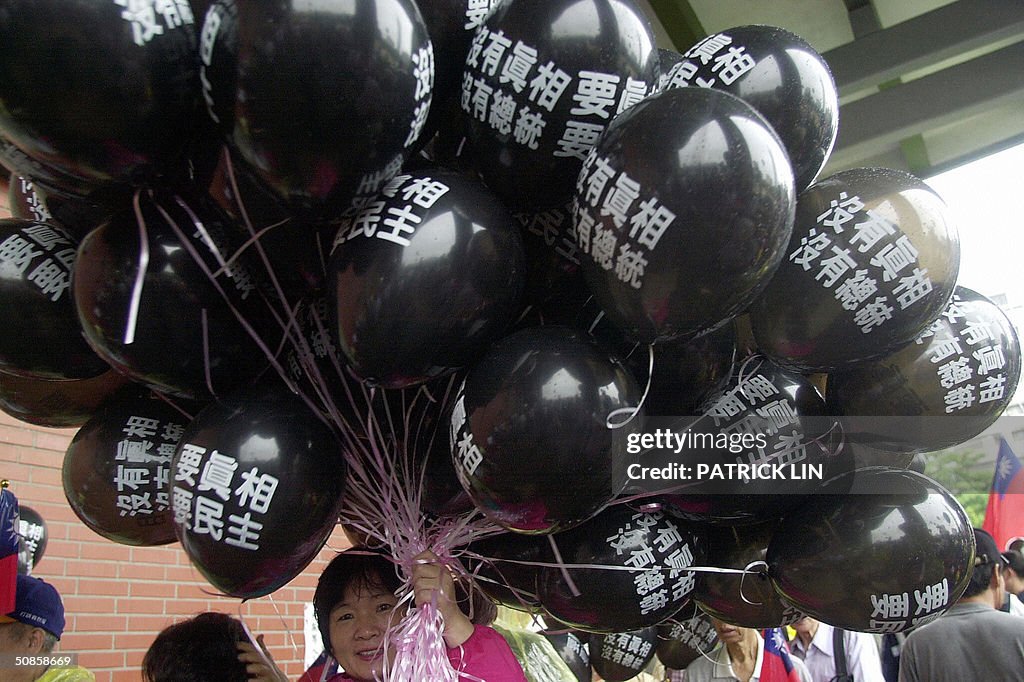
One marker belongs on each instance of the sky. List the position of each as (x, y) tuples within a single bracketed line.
[(986, 199)]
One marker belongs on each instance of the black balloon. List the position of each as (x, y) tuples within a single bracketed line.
[(747, 600), (328, 98), (769, 420), (686, 639), (892, 554), (554, 282), (42, 339), (424, 277), (31, 200), (291, 249), (779, 74), (507, 571), (542, 80), (872, 262), (149, 309), (658, 549), (622, 656), (101, 92), (257, 484), (575, 652), (117, 469), (530, 432), (57, 404), (943, 389), (34, 534), (683, 212), (666, 60)]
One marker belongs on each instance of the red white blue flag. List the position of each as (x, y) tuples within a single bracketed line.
[(1004, 515), (9, 545), (777, 665)]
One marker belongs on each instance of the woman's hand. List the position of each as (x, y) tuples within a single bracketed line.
[(432, 581), (259, 663)]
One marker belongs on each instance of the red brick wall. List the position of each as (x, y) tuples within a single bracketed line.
[(117, 598)]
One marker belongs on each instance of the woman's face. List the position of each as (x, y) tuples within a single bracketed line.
[(357, 627)]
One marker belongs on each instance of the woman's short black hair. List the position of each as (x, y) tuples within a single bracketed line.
[(359, 567), (200, 649), (1015, 561)]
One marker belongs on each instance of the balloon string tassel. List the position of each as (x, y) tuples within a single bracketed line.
[(561, 567), (206, 352), (741, 376), (612, 420), (140, 276)]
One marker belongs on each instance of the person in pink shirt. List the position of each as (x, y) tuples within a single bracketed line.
[(354, 604)]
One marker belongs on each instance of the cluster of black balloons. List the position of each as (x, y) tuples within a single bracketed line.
[(264, 227)]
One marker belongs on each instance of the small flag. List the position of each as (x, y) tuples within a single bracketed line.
[(9, 546), (1004, 515)]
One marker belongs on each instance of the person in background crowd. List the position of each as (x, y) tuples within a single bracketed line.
[(204, 647), (825, 649), (1014, 574), (355, 602), (973, 639), (32, 629), (743, 655)]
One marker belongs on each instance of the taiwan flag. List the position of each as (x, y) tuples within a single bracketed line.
[(1004, 515), (9, 545), (776, 665)]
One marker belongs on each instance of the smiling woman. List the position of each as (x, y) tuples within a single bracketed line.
[(356, 607)]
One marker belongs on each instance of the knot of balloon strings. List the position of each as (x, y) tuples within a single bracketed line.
[(613, 419), (749, 569)]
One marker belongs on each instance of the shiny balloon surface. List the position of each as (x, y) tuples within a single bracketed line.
[(42, 339), (542, 79), (531, 438), (683, 212), (747, 600), (257, 483), (134, 269), (99, 92), (941, 390), (892, 554), (329, 98), (58, 403), (872, 262), (779, 74), (117, 469), (618, 600), (424, 277), (622, 656)]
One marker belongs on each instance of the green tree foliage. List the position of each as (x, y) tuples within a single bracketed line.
[(965, 473)]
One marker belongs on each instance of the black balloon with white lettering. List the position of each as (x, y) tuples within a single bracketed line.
[(683, 212), (872, 262), (256, 485), (154, 313), (102, 91), (35, 535), (42, 339), (532, 430), (117, 468), (657, 550), (685, 639), (542, 79), (329, 98), (943, 389), (892, 554), (768, 419), (506, 568), (779, 74), (573, 649), (32, 200), (424, 277), (622, 656)]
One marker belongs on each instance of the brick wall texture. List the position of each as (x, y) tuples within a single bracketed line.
[(116, 597)]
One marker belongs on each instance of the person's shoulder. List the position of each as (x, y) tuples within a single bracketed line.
[(73, 674)]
